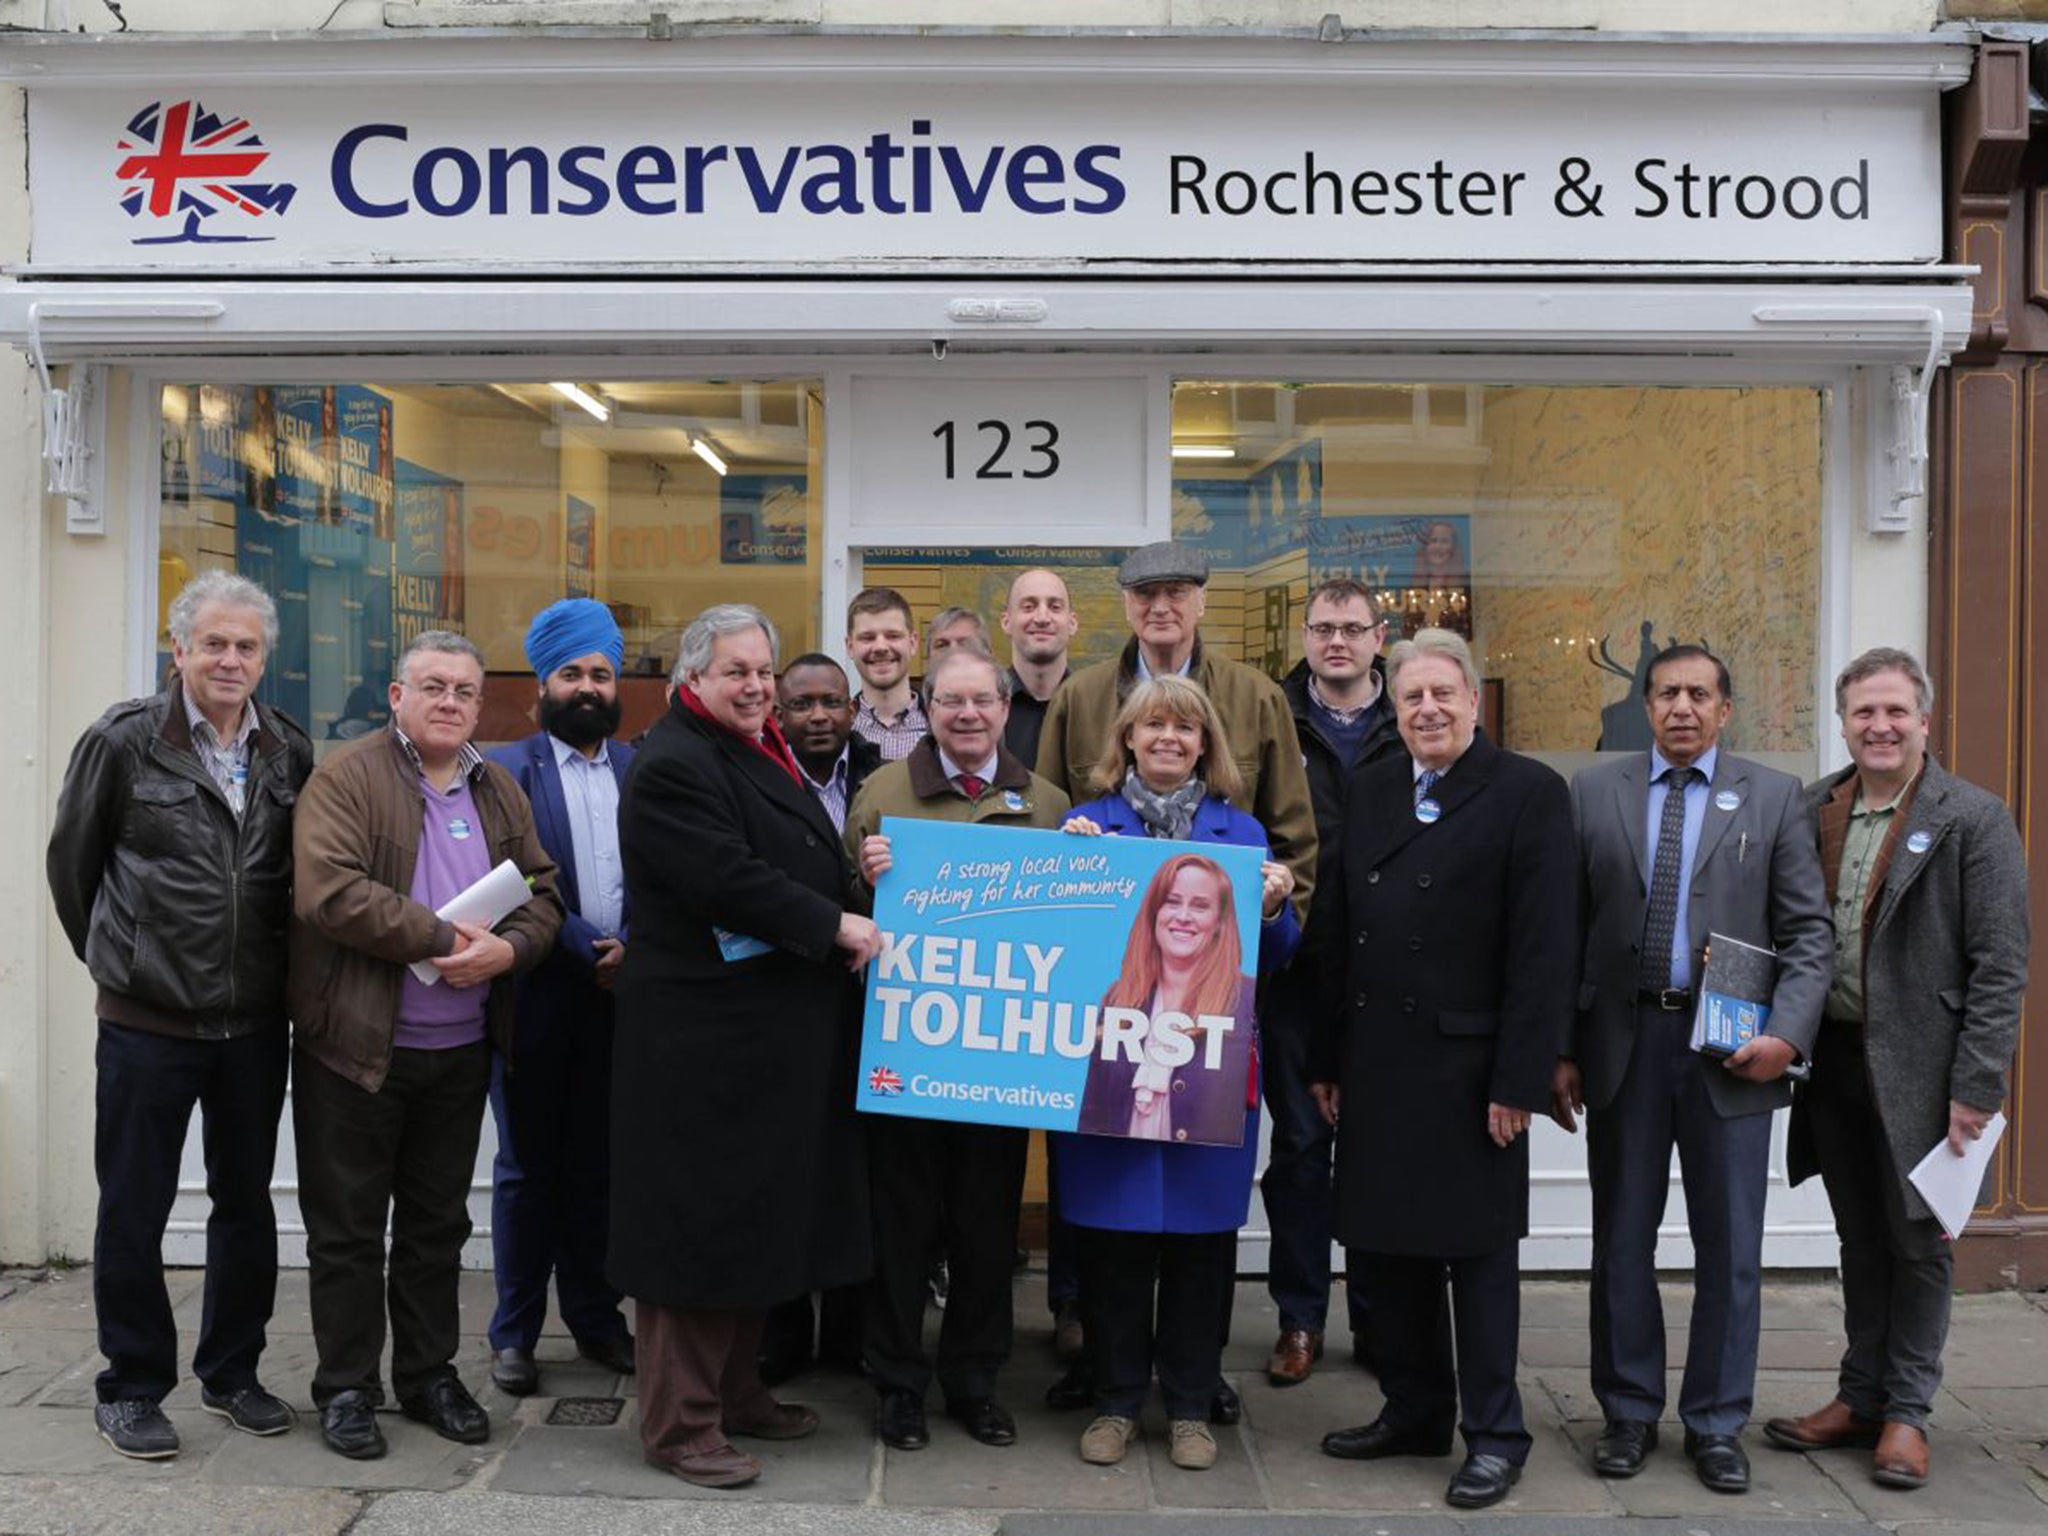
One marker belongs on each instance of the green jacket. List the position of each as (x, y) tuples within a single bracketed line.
[(1255, 717), (917, 786)]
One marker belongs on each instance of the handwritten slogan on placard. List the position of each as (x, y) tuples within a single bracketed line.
[(1023, 973)]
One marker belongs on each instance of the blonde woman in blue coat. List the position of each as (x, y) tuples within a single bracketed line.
[(1155, 1210)]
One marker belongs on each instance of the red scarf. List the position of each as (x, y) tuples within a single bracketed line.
[(769, 743)]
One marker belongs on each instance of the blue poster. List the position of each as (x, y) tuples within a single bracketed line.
[(426, 568), (763, 519), (579, 574), (1094, 984), (1419, 568), (220, 469), (362, 419), (305, 437)]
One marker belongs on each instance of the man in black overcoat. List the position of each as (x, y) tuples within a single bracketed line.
[(1443, 944)]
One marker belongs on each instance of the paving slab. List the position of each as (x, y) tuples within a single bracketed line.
[(1997, 1341), (1234, 1483), (1230, 1525), (32, 1358), (1043, 1470), (2007, 1410), (62, 1298), (1971, 1483), (42, 1443), (833, 1467), (509, 1514), (35, 1506), (418, 1458)]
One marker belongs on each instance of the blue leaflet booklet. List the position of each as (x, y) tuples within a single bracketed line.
[(1734, 995)]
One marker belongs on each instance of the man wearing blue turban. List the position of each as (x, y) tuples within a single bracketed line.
[(551, 1189)]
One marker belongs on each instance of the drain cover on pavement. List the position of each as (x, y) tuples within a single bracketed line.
[(586, 1412)]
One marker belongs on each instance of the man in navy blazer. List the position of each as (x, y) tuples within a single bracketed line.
[(550, 1191), (1675, 845)]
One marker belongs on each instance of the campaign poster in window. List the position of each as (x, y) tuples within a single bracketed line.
[(1418, 568), (1095, 984)]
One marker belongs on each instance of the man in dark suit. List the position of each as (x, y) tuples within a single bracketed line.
[(1443, 946), (550, 1189), (814, 707), (1928, 881), (1674, 845)]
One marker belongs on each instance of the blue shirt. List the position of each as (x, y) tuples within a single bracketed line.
[(1696, 794), (590, 795)]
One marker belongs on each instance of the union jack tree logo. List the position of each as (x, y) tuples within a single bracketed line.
[(882, 1080), (180, 158)]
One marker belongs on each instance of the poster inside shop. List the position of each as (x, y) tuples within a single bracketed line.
[(1418, 568), (1093, 984), (304, 478)]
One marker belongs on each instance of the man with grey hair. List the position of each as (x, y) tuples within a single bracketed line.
[(391, 1071), (955, 626), (1928, 883), (170, 867)]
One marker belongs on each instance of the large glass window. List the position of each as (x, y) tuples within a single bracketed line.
[(1567, 530), (372, 512)]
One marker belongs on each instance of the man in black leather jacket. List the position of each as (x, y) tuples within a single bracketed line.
[(170, 865)]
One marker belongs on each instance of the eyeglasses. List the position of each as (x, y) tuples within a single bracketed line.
[(465, 694), (951, 702), (1327, 631)]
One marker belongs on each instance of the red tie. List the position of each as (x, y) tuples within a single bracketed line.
[(971, 785)]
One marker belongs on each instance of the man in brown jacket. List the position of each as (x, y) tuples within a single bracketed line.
[(389, 1073)]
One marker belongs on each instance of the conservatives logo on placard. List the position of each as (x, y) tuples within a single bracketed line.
[(881, 1080), (181, 161)]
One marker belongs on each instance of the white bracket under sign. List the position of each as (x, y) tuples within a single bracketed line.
[(1906, 453)]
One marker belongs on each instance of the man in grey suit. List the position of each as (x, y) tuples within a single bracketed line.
[(1674, 845), (1929, 885)]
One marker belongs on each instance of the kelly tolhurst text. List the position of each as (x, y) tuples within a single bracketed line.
[(1031, 1027)]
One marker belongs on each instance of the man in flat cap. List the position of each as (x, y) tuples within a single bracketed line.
[(1165, 594), (551, 1189)]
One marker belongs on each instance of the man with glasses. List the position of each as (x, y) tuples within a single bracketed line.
[(1345, 719), (391, 1072), (941, 1186), (1165, 596)]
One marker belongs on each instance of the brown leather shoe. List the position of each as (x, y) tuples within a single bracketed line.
[(726, 1467), (1824, 1429), (1294, 1356), (1901, 1459), (785, 1421)]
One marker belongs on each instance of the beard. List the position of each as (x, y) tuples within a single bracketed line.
[(582, 720)]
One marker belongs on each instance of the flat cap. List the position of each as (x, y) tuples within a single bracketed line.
[(1170, 561)]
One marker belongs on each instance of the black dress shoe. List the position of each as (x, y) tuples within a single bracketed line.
[(985, 1419), (250, 1409), (1369, 1442), (1074, 1389), (447, 1408), (514, 1373), (1225, 1406), (614, 1353), (1482, 1481), (1720, 1462), (349, 1426), (1624, 1445), (899, 1420)]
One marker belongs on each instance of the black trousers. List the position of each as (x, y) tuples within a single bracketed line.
[(407, 1152), (941, 1187), (146, 1089), (1149, 1303), (1439, 1353)]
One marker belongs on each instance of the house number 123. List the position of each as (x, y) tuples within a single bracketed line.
[(1006, 452)]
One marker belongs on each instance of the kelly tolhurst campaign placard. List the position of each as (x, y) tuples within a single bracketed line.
[(1097, 984)]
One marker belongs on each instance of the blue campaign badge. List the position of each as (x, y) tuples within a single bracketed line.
[(1012, 801), (1920, 842), (1727, 800), (1427, 811), (459, 829)]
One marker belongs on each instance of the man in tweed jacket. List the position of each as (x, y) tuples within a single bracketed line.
[(1927, 878)]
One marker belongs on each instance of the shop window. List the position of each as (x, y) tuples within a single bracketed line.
[(1567, 531), (372, 512)]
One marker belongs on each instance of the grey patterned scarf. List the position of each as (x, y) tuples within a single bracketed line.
[(1168, 815)]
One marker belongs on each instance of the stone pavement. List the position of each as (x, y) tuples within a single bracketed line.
[(1991, 1467)]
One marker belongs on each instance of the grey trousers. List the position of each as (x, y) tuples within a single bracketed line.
[(1898, 1271)]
